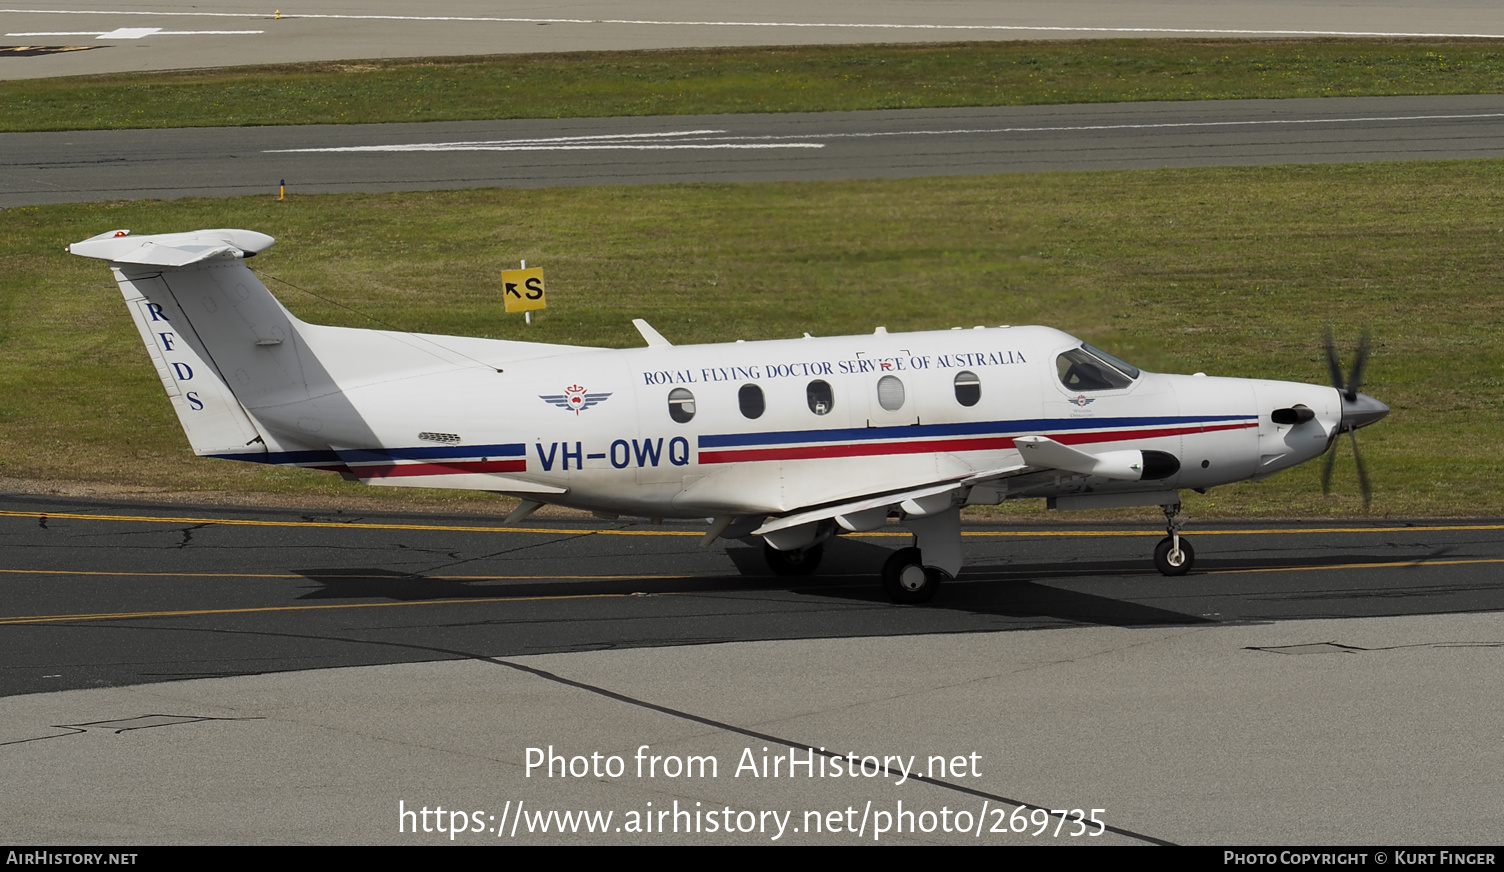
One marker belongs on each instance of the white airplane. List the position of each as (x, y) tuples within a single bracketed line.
[(790, 441)]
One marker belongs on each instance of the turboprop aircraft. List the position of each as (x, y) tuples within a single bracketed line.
[(788, 441)]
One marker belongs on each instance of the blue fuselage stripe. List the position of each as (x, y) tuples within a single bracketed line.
[(382, 455)]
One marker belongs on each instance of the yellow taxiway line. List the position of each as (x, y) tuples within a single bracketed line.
[(40, 619), (584, 531)]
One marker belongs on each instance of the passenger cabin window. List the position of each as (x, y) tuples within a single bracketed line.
[(968, 389), (890, 393), (1092, 369), (821, 400), (681, 405), (751, 401)]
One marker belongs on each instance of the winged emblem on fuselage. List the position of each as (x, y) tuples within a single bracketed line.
[(575, 398)]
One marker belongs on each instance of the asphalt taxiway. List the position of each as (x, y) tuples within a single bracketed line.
[(87, 166), (68, 39), (264, 676), (219, 592)]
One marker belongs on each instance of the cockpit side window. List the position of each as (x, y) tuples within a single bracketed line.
[(1118, 364), (1090, 369)]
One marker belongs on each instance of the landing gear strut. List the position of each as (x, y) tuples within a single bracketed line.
[(1174, 555)]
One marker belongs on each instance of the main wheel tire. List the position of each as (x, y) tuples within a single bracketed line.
[(793, 562), (907, 580), (1177, 564)]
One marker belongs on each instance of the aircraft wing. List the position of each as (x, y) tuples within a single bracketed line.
[(871, 512), (1036, 454)]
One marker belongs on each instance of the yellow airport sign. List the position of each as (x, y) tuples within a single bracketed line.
[(523, 289)]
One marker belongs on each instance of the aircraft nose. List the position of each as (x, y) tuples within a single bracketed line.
[(1360, 410)]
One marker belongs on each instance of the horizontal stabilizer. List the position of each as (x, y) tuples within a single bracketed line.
[(172, 249)]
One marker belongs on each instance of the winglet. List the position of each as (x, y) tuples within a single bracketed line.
[(652, 337)]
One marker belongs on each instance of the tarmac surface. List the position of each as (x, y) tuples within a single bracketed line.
[(88, 166), (111, 36), (1333, 683)]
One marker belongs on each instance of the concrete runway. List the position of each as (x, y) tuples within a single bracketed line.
[(1308, 684), (88, 166), (139, 35)]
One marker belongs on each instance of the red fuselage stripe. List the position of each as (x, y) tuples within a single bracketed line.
[(989, 443), (456, 468)]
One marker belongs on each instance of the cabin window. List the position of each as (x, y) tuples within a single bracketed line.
[(968, 389), (890, 393), (681, 405), (751, 401), (821, 399)]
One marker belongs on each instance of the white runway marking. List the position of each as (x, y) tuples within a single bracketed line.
[(629, 141), (708, 139), (138, 33), (1017, 28), (1164, 125)]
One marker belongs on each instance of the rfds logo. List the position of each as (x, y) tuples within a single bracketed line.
[(575, 398)]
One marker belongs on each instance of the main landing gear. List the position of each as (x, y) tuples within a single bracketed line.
[(912, 575), (907, 581), (1174, 555)]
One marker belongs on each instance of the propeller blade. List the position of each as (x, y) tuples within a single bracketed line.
[(1354, 414), (1332, 364), (1355, 377), (1326, 469), (1362, 473)]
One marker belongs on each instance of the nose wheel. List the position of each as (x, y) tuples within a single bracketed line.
[(1174, 555), (906, 579), (1170, 560)]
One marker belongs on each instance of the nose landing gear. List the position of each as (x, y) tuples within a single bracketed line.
[(1174, 555)]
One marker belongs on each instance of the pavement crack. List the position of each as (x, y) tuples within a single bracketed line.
[(126, 725), (188, 534)]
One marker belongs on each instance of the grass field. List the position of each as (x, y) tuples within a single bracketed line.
[(701, 81), (1228, 271)]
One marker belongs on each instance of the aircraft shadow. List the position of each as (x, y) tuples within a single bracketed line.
[(850, 572)]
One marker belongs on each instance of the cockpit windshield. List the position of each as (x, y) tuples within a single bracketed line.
[(1088, 368)]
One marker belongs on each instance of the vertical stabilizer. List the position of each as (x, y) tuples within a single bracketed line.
[(206, 407), (160, 276)]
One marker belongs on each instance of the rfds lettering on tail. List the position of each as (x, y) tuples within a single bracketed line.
[(790, 442)]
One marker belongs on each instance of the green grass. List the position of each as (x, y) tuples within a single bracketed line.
[(701, 81), (1227, 271)]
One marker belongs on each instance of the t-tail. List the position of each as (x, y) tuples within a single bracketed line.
[(247, 378), (206, 319)]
